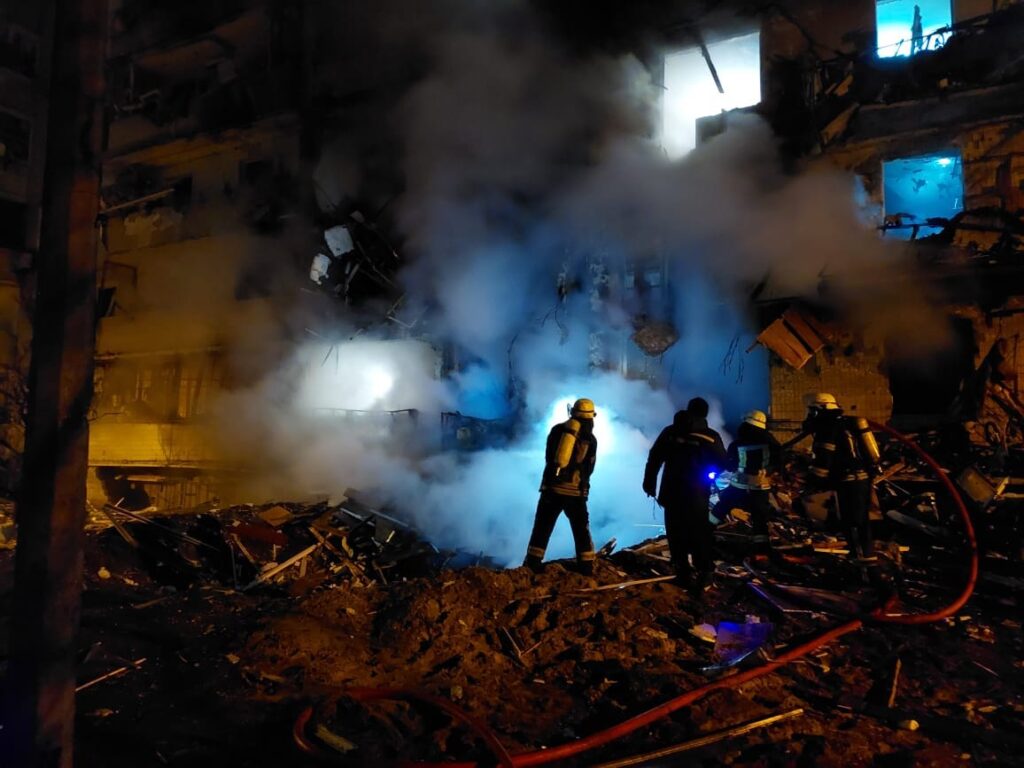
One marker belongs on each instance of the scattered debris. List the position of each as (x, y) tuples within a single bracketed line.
[(735, 642), (110, 675), (706, 632), (703, 741), (895, 683)]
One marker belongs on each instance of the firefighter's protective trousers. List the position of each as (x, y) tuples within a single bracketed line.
[(549, 507)]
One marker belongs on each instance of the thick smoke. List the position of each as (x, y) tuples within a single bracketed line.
[(532, 184)]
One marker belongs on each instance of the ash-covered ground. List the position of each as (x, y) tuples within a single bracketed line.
[(541, 659)]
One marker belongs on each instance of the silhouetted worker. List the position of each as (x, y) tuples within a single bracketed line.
[(916, 32), (750, 456), (845, 457), (568, 463), (691, 454)]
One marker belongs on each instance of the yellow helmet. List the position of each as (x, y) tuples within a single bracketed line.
[(756, 419), (583, 409), (823, 400)]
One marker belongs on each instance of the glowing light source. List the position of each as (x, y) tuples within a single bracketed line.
[(367, 375), (894, 22), (380, 382), (711, 475), (691, 93)]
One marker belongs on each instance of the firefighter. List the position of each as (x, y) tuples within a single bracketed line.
[(845, 457), (569, 461), (691, 454), (749, 457)]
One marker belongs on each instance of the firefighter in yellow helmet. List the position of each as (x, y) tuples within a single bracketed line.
[(569, 461), (750, 456), (845, 457)]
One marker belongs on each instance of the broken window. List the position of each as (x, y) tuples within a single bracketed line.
[(908, 27), (691, 90), (198, 384), (921, 193)]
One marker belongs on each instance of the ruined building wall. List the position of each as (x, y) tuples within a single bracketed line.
[(202, 149)]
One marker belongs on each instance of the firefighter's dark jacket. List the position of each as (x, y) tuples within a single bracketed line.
[(688, 450), (838, 456), (574, 480), (750, 456)]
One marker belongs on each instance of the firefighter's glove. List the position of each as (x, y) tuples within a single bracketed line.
[(650, 489)]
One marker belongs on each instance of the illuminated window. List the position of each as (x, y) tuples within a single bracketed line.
[(906, 27), (917, 189), (691, 93)]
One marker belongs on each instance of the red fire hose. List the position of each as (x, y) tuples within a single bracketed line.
[(573, 748), (972, 574)]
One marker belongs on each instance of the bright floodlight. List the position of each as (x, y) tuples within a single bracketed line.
[(379, 382), (899, 35), (368, 375), (922, 188), (691, 93)]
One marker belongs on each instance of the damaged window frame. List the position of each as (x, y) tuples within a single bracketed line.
[(693, 41), (893, 225), (907, 48)]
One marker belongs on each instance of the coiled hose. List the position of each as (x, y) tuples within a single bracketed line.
[(880, 615)]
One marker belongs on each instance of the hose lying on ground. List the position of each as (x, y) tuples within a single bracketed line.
[(880, 615)]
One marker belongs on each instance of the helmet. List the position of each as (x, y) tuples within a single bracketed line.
[(583, 409), (756, 419), (823, 401)]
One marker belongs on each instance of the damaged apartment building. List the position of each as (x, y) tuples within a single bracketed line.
[(930, 120), (212, 202), (202, 148)]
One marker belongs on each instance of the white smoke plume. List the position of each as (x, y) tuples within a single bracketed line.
[(529, 170)]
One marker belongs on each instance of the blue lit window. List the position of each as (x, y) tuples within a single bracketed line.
[(906, 27), (917, 189)]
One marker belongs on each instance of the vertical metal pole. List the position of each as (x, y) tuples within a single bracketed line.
[(39, 701)]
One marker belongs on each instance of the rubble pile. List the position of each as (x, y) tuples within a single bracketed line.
[(214, 636), (302, 546)]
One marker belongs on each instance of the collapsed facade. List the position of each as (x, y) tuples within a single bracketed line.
[(214, 213), (936, 137)]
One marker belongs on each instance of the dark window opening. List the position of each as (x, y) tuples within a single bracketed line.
[(15, 140), (13, 225), (19, 50), (929, 386)]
